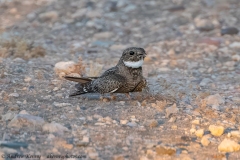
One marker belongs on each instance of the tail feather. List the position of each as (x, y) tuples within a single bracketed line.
[(82, 89), (80, 79)]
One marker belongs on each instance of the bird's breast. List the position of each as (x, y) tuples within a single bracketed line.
[(132, 80)]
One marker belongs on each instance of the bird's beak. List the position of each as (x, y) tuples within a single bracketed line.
[(142, 56)]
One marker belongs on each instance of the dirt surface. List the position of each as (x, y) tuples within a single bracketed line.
[(192, 68)]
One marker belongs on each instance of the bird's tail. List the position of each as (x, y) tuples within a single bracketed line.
[(83, 86), (82, 89), (80, 79)]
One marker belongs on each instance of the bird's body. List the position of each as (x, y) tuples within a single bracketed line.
[(125, 77)]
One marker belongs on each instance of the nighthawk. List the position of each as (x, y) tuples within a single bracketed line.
[(125, 77)]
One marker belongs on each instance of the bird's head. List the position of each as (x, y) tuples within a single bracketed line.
[(133, 57)]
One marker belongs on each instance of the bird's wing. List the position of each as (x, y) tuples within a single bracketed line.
[(80, 79), (109, 83), (113, 70)]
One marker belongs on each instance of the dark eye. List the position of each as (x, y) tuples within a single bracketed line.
[(131, 53)]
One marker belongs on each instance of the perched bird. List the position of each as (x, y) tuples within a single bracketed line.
[(125, 77)]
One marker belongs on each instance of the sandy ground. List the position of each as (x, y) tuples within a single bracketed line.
[(192, 68)]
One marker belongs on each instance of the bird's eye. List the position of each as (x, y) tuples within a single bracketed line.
[(131, 53)]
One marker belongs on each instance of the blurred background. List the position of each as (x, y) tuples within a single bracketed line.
[(71, 26)]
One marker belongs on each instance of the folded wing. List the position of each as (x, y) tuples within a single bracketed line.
[(108, 83)]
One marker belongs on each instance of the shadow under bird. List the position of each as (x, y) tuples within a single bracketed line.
[(125, 77)]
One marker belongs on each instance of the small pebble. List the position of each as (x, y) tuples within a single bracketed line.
[(203, 24), (21, 120), (16, 95), (153, 124), (228, 145), (235, 134), (229, 30), (131, 124), (27, 79), (49, 16), (192, 130), (165, 150), (8, 116), (55, 88), (61, 104), (171, 110), (196, 121), (54, 127), (65, 68), (235, 45), (216, 130), (176, 8), (205, 140), (214, 100), (172, 119), (174, 127), (236, 57), (199, 133)]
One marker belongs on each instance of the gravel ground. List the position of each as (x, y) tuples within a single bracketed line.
[(189, 111)]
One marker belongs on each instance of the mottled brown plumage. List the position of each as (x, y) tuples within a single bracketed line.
[(125, 77)]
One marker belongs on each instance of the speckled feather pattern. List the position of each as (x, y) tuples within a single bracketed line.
[(119, 79)]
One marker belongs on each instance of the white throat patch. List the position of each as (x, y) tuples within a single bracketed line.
[(131, 64)]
